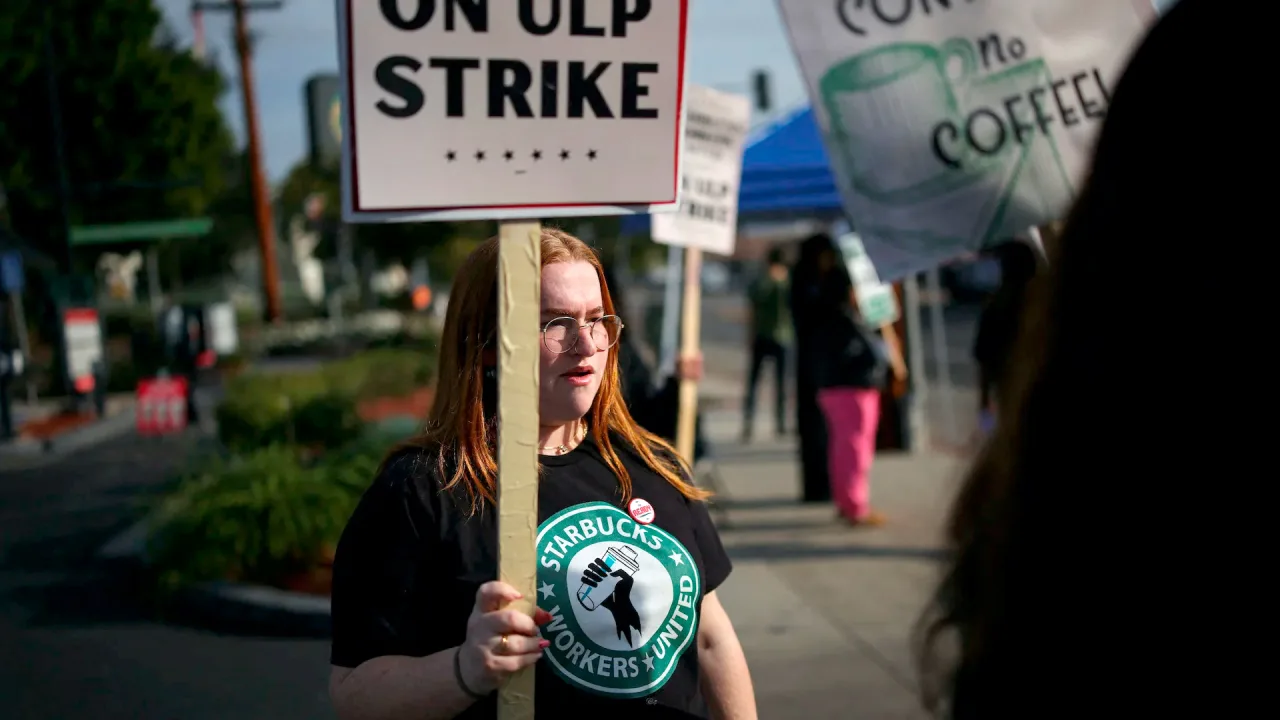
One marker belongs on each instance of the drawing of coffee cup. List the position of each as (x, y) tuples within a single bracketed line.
[(883, 102)]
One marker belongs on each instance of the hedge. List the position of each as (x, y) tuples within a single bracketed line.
[(316, 408)]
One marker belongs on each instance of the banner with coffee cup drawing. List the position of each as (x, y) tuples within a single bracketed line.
[(954, 124)]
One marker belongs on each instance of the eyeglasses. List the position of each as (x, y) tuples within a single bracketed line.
[(561, 335)]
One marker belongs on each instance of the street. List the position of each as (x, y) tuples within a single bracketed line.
[(79, 643), (824, 614)]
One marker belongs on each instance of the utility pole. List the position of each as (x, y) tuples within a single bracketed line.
[(261, 202), (59, 152)]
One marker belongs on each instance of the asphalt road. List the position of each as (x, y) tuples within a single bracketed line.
[(77, 642)]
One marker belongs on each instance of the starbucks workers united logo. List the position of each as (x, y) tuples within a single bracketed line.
[(621, 596)]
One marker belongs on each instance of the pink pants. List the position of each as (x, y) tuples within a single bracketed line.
[(852, 414)]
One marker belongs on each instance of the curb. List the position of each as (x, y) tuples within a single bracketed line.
[(42, 452), (93, 433), (227, 606), (256, 609)]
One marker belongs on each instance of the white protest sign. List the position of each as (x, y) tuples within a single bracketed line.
[(876, 300), (224, 336), (715, 131), (82, 336), (469, 109), (954, 124)]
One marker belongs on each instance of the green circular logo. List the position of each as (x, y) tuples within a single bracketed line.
[(622, 597)]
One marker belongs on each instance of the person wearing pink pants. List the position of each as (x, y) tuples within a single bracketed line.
[(853, 415), (849, 363)]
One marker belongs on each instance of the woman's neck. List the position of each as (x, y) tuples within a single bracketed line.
[(554, 437)]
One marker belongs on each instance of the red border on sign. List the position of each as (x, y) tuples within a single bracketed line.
[(350, 122), (75, 315)]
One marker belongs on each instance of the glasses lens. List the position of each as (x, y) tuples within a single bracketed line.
[(605, 333), (560, 335)]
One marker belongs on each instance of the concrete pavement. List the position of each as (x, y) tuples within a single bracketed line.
[(825, 612)]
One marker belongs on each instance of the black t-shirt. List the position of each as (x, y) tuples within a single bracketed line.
[(412, 557)]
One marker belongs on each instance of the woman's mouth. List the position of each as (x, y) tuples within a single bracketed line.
[(579, 376)]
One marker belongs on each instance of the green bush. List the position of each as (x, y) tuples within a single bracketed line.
[(317, 407), (326, 420), (256, 411), (260, 410), (384, 372), (257, 518)]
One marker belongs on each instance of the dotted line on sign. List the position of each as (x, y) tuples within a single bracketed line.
[(508, 155)]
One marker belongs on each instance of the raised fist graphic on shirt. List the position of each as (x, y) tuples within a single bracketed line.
[(625, 617)]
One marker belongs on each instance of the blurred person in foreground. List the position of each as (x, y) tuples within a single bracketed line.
[(770, 325), (654, 407), (998, 323), (1081, 579), (628, 624)]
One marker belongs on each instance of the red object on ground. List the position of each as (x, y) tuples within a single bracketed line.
[(417, 404), (54, 425), (162, 406)]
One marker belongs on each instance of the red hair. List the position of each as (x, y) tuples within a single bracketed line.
[(457, 427)]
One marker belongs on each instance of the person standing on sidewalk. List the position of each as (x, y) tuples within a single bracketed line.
[(771, 340), (806, 318), (851, 365), (999, 323)]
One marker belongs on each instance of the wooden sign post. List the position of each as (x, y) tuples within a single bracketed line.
[(519, 294), (707, 220), (690, 340), (423, 144)]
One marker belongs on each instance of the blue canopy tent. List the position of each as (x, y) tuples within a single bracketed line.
[(785, 175)]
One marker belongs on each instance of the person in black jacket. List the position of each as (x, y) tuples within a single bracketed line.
[(998, 324), (806, 314), (654, 408), (844, 364)]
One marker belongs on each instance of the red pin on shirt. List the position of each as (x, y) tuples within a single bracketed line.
[(642, 511)]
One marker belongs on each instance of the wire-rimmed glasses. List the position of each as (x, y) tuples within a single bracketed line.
[(561, 334)]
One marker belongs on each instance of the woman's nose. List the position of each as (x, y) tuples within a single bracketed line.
[(586, 345)]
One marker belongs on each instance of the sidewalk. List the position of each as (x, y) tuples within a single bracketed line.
[(825, 612)]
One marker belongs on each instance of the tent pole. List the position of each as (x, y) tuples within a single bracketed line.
[(942, 381), (920, 439)]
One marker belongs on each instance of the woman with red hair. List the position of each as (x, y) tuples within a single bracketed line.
[(628, 560)]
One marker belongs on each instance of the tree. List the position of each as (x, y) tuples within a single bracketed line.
[(143, 138)]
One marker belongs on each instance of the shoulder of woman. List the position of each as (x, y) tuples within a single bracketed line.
[(413, 468)]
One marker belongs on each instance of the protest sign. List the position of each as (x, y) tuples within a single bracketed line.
[(466, 109), (714, 133), (876, 300), (954, 124), (707, 218), (82, 338)]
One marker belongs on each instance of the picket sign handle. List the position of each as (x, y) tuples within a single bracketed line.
[(690, 332), (519, 303)]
